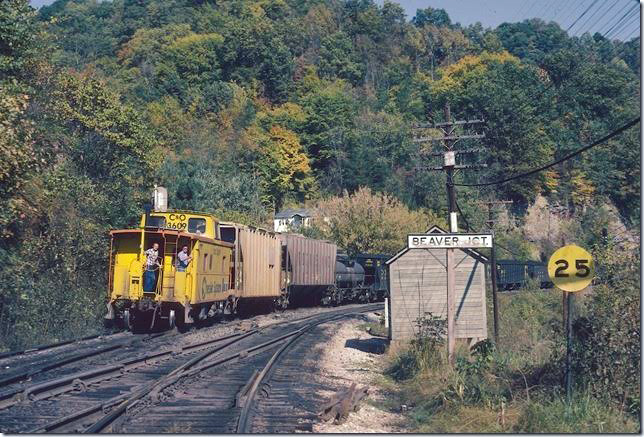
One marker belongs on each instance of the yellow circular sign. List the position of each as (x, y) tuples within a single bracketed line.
[(571, 268)]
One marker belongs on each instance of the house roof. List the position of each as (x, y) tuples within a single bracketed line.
[(288, 213), (437, 230)]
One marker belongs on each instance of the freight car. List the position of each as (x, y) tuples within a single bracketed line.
[(233, 269), (513, 274), (362, 278), (308, 268), (139, 294)]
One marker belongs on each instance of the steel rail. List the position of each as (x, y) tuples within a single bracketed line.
[(243, 425), (124, 402), (29, 371), (47, 346), (71, 382)]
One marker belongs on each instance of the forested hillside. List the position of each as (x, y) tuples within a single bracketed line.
[(243, 108)]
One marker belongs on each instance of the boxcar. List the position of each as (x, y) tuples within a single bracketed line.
[(308, 268)]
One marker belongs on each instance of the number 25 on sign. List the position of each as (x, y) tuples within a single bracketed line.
[(571, 268)]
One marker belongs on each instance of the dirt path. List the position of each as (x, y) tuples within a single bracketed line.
[(353, 355)]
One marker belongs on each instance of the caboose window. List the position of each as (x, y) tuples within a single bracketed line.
[(156, 221), (197, 225)]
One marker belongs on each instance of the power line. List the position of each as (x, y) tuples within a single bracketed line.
[(610, 22), (565, 158), (634, 16), (592, 26), (624, 17), (548, 4), (582, 14), (469, 228), (581, 26), (572, 11), (637, 29), (522, 9), (561, 8)]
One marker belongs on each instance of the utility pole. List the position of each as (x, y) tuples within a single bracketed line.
[(490, 224), (448, 128)]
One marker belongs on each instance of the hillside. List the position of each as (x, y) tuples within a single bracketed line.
[(243, 108)]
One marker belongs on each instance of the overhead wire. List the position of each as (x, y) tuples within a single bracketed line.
[(592, 26), (522, 9), (620, 25), (582, 26), (572, 11), (610, 21), (557, 11), (469, 228), (627, 22), (582, 14), (557, 161), (637, 29), (548, 6)]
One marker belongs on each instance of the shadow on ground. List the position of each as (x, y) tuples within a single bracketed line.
[(374, 345)]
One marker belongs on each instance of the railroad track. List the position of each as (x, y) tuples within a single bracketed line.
[(128, 394)]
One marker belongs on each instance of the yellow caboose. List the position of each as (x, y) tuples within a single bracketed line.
[(167, 291)]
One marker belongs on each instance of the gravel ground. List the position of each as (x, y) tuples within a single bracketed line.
[(352, 355)]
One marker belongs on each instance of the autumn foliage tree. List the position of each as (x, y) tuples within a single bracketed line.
[(369, 222), (285, 167)]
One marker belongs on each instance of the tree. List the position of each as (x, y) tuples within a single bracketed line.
[(367, 222), (285, 168), (437, 17), (338, 60)]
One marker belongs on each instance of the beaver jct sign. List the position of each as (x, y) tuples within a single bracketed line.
[(449, 241)]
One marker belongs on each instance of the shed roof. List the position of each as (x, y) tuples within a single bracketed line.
[(437, 230), (288, 213)]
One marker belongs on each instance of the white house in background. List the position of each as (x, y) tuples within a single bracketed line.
[(292, 219)]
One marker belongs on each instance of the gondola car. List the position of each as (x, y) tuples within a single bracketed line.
[(514, 274), (375, 274)]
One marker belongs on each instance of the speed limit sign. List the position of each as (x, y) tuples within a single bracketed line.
[(571, 268)]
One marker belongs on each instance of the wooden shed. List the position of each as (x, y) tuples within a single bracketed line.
[(418, 285)]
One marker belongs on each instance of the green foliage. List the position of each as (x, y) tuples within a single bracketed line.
[(586, 414), (285, 168), (425, 350), (608, 348), (337, 59), (241, 107), (367, 222), (213, 186), (18, 38)]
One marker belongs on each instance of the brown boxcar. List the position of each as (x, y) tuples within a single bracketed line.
[(308, 266), (256, 261)]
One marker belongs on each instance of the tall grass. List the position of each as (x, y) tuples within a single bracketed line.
[(514, 386)]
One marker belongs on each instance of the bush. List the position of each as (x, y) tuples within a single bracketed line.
[(607, 353), (425, 349)]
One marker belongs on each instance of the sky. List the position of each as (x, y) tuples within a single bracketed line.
[(615, 19)]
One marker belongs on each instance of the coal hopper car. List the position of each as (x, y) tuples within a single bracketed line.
[(308, 268)]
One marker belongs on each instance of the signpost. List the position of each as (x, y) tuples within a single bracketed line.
[(571, 269), (450, 242)]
